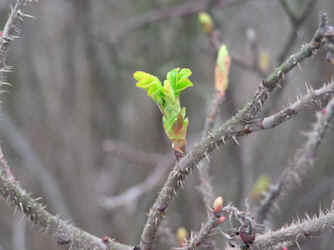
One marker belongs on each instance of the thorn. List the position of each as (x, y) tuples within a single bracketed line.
[(235, 140), (207, 157), (210, 134), (5, 70), (19, 12)]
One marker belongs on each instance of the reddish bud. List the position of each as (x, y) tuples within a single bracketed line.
[(221, 219), (0, 33), (247, 130), (323, 111), (105, 239), (284, 248)]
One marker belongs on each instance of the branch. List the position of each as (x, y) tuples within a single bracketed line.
[(302, 165), (182, 169), (297, 231), (132, 155), (131, 195), (186, 9), (68, 236)]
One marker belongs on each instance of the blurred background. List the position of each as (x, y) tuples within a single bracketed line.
[(79, 134)]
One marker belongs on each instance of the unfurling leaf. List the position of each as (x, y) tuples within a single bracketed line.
[(205, 21), (222, 70), (182, 236), (167, 97), (261, 185)]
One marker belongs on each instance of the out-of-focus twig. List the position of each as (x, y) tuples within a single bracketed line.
[(185, 9), (131, 195), (296, 22), (130, 154), (33, 163), (182, 169)]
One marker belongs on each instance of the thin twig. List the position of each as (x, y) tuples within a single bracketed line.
[(131, 195), (182, 169), (130, 154), (186, 9)]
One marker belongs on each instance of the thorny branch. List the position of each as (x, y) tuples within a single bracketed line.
[(296, 232), (182, 169), (302, 164), (66, 235)]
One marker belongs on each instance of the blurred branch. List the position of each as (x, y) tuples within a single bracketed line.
[(182, 169), (302, 164), (296, 22), (297, 232), (237, 59), (130, 154), (185, 9), (66, 235), (33, 163), (130, 196)]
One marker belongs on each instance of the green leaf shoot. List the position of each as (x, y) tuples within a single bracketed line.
[(167, 97)]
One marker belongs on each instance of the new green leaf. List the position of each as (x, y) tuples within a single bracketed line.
[(167, 96)]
